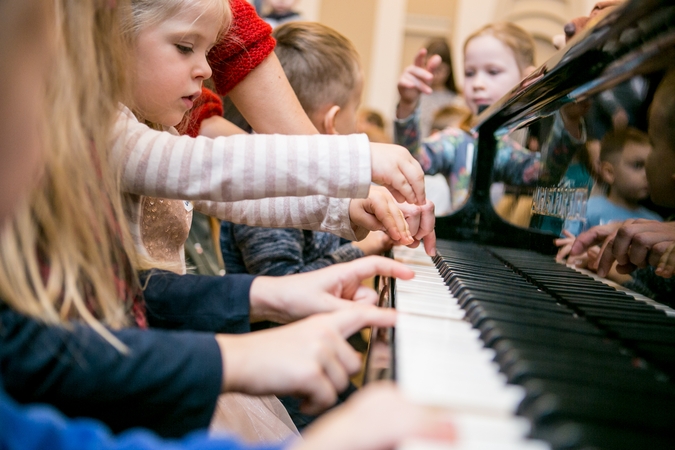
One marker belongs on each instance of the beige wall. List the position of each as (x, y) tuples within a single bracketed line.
[(388, 33)]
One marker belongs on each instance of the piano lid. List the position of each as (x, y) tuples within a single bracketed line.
[(626, 49)]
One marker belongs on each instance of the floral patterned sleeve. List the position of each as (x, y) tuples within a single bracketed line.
[(438, 152), (515, 165), (559, 150), (518, 166)]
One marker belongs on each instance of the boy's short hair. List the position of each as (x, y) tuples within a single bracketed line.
[(372, 117), (446, 115), (614, 142), (321, 64)]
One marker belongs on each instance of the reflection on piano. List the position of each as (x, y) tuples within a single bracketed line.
[(525, 352)]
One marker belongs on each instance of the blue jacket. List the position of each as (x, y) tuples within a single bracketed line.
[(43, 428)]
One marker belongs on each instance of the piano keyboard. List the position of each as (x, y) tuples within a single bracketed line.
[(530, 354)]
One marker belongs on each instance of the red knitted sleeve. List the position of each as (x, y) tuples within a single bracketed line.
[(207, 105), (240, 50)]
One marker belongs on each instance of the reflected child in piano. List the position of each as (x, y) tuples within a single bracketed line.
[(496, 58), (623, 155)]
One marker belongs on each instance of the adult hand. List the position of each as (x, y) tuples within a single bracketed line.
[(309, 359), (415, 80), (637, 243), (293, 297), (394, 168), (594, 236), (376, 418)]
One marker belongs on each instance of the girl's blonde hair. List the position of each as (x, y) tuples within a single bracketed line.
[(146, 13), (67, 253), (514, 37)]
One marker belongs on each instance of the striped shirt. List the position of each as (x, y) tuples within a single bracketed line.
[(259, 180)]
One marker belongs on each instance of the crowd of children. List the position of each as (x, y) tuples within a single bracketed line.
[(99, 318)]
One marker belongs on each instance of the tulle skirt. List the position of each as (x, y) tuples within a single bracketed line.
[(252, 419)]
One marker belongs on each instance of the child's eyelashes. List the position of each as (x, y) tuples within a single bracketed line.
[(184, 49)]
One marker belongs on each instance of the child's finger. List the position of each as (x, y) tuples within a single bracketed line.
[(420, 57), (666, 265), (568, 234), (433, 63)]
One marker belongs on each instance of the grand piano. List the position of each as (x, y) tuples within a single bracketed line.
[(527, 353)]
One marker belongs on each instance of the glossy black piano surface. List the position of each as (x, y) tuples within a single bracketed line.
[(636, 40), (597, 366)]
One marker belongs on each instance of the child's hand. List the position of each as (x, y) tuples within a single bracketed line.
[(421, 222), (380, 212), (394, 168), (564, 245), (376, 418), (310, 359), (375, 243), (293, 297), (415, 80), (405, 224)]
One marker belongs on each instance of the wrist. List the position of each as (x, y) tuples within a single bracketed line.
[(405, 108), (230, 355), (260, 298)]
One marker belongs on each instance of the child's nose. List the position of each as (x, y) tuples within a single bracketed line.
[(478, 82), (202, 69)]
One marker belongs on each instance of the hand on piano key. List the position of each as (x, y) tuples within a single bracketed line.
[(376, 418), (405, 223), (293, 297), (310, 359)]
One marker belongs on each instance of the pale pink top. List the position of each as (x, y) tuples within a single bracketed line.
[(259, 180)]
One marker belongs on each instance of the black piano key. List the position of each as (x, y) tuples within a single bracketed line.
[(595, 346), (479, 311), (522, 371), (627, 410), (540, 336), (537, 387), (567, 326), (570, 357), (568, 435)]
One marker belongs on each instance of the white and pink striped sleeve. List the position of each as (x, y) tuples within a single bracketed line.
[(240, 167), (316, 213)]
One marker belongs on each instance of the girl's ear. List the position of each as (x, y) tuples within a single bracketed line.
[(329, 120)]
